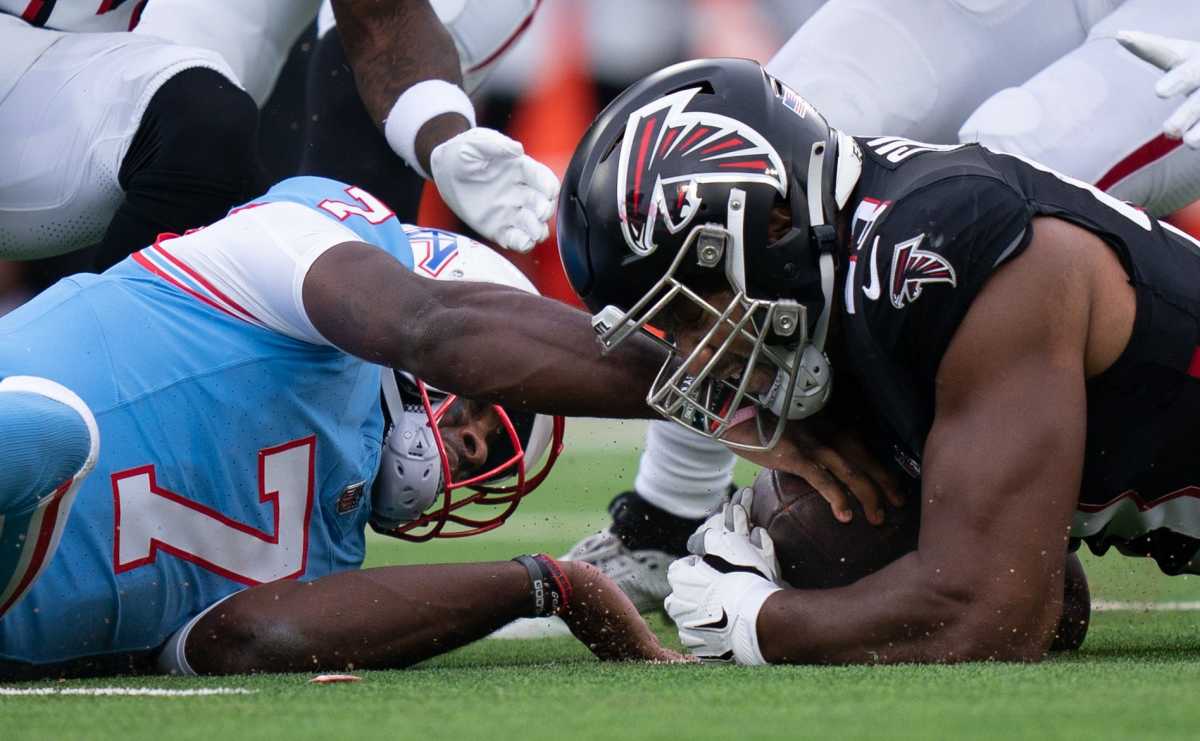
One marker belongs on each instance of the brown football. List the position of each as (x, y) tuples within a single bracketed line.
[(815, 550)]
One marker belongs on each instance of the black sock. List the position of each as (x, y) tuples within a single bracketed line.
[(642, 526)]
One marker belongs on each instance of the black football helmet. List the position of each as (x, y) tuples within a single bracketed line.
[(669, 196)]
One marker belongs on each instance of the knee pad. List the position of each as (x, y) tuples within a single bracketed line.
[(51, 443), (50, 440), (198, 132)]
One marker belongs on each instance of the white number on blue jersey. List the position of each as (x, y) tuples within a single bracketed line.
[(369, 207), (150, 519)]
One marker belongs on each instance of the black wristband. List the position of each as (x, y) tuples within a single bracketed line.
[(550, 588)]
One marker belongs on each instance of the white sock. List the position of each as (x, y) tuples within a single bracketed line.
[(682, 472)]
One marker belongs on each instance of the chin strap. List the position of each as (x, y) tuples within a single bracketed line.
[(826, 237)]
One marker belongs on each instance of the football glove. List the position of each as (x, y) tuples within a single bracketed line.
[(727, 535), (499, 191), (1180, 59), (716, 613)]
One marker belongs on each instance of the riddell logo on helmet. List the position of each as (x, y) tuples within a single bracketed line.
[(667, 153)]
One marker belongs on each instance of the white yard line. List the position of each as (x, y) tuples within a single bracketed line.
[(1104, 605), (122, 691)]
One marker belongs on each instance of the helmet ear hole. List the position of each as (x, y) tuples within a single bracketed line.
[(779, 222)]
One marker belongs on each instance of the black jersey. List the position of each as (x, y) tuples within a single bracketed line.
[(930, 225)]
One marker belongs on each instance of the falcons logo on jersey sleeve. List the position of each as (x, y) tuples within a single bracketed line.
[(666, 152), (914, 268)]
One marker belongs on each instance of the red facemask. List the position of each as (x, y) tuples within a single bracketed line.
[(437, 522)]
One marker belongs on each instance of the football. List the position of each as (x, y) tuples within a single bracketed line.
[(815, 550)]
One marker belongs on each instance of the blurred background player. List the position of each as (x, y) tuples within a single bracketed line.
[(116, 137), (231, 377)]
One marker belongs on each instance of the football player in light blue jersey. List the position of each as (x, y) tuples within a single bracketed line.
[(224, 390)]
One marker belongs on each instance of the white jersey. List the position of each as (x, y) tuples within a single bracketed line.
[(1045, 80), (85, 16), (70, 104)]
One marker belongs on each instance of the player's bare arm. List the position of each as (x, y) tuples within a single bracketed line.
[(374, 33), (1002, 471), (511, 348), (396, 616)]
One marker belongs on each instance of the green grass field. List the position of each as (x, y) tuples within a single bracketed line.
[(1136, 676)]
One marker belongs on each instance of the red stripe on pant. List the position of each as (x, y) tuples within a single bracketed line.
[(1147, 154), (40, 553)]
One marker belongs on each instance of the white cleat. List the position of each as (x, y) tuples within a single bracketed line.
[(525, 629), (641, 575)]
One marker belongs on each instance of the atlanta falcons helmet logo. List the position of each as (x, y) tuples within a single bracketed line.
[(913, 268), (667, 153)]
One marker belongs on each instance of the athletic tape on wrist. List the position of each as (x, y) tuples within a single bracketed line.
[(550, 587), (415, 107)]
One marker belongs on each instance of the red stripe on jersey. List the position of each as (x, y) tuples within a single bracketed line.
[(512, 39), (1150, 152), (45, 535), (200, 279), (140, 259)]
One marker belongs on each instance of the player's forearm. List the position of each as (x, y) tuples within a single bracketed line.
[(903, 613), (391, 46), (386, 617), (534, 353), (479, 340)]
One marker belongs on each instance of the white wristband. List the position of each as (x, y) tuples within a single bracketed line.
[(417, 105)]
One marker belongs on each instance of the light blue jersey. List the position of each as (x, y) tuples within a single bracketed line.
[(231, 454)]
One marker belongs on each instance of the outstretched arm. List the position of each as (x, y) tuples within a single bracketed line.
[(408, 75), (482, 341), (396, 616)]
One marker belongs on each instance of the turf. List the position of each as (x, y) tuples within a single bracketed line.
[(1135, 676)]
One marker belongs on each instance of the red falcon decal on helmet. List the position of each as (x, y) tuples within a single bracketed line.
[(667, 152), (912, 268)]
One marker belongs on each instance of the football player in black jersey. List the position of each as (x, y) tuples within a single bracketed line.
[(1021, 348)]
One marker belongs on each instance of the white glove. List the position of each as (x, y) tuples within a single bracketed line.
[(727, 536), (1181, 61), (499, 191), (717, 614)]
